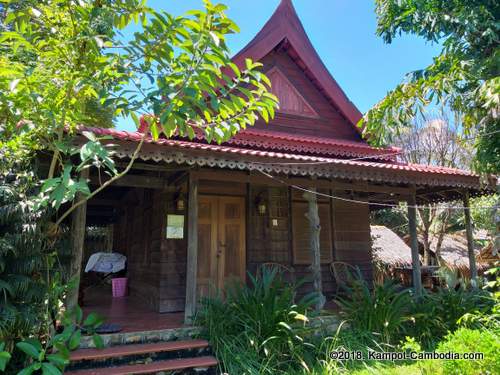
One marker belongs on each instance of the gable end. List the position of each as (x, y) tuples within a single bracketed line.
[(291, 101)]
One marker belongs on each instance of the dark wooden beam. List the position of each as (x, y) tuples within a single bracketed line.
[(103, 202), (258, 178), (192, 249), (470, 239), (136, 181), (415, 259), (78, 222), (151, 167), (178, 178)]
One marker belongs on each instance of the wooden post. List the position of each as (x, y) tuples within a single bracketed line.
[(315, 228), (470, 239), (192, 250), (78, 222), (415, 260)]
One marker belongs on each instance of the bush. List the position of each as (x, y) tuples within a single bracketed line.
[(467, 340), (383, 310), (435, 314), (258, 329)]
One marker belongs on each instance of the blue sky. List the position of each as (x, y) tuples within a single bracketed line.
[(343, 33)]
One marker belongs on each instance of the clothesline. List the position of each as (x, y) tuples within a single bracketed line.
[(388, 205)]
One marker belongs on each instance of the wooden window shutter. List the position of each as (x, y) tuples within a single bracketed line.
[(301, 249)]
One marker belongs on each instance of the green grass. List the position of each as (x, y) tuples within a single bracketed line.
[(419, 368)]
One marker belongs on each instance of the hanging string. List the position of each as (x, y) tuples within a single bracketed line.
[(388, 205)]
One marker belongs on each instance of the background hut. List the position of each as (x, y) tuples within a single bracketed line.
[(391, 255), (454, 255)]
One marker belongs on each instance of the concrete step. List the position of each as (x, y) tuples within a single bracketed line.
[(181, 364), (127, 338)]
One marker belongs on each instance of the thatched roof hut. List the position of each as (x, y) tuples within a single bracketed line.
[(389, 248), (392, 251), (454, 252)]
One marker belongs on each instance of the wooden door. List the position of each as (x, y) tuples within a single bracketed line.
[(221, 243)]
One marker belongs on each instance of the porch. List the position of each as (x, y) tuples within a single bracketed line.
[(128, 314)]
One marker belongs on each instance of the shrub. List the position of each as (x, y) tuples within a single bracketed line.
[(435, 314), (467, 340), (258, 329), (383, 310)]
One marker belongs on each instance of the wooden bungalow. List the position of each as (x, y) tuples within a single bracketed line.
[(192, 215)]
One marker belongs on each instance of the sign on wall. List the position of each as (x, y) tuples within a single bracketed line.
[(175, 226)]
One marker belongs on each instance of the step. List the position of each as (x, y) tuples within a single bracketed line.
[(143, 337), (135, 349), (167, 365)]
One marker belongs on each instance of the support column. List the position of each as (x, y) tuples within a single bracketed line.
[(192, 250), (470, 239), (315, 228), (78, 223), (415, 260)]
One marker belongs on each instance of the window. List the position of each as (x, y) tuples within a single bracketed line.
[(301, 241)]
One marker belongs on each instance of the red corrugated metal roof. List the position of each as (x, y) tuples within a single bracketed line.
[(272, 157)]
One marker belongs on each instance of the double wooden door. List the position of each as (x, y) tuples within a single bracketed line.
[(221, 243)]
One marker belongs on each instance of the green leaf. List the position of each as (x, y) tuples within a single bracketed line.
[(74, 342), (93, 319), (98, 341), (58, 359), (50, 369), (137, 122), (4, 360), (29, 370), (29, 349)]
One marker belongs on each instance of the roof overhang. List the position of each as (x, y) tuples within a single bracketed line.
[(432, 184)]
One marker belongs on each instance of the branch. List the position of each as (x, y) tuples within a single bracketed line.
[(106, 184)]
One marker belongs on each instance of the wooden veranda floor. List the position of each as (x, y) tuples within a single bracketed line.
[(132, 314)]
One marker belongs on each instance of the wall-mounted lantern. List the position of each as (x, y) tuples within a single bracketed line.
[(261, 204), (180, 201)]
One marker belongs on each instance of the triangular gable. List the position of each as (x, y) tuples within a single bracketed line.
[(285, 26), (291, 101)]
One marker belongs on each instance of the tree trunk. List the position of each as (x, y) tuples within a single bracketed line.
[(426, 224), (78, 222), (442, 231), (315, 228)]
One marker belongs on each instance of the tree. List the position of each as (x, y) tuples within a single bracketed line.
[(63, 64), (434, 140), (465, 76)]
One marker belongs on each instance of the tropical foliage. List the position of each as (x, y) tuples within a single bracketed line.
[(64, 64), (260, 332), (263, 331), (60, 55), (465, 76), (383, 310)]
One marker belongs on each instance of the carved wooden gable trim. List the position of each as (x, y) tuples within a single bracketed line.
[(291, 101)]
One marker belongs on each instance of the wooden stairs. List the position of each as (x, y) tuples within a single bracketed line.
[(171, 357)]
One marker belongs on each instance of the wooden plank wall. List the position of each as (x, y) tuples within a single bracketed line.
[(172, 261), (352, 238), (157, 265), (138, 236), (269, 243)]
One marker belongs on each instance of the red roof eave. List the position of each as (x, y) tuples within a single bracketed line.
[(272, 158)]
